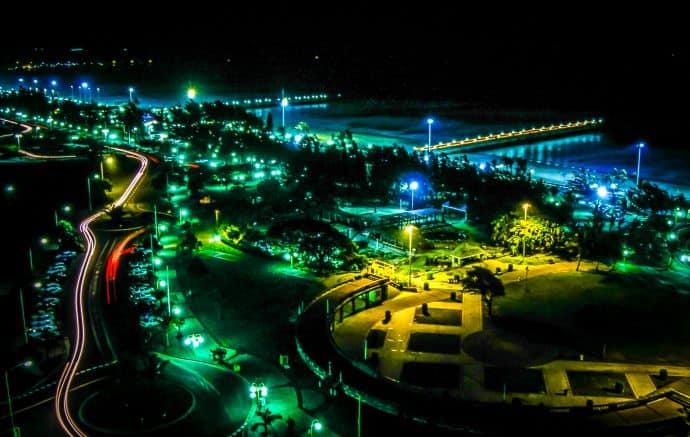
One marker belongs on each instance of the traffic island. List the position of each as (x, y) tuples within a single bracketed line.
[(136, 406)]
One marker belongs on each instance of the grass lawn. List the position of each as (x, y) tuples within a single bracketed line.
[(518, 380), (431, 374), (247, 300), (434, 343), (637, 320), (439, 316), (599, 384)]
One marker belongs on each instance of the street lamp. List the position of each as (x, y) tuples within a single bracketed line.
[(131, 90), (315, 426), (409, 229), (639, 155), (429, 121), (19, 140), (71, 87), (258, 392), (283, 104), (413, 186), (183, 213), (15, 430), (524, 206)]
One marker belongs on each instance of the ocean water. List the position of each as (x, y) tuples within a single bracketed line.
[(404, 122)]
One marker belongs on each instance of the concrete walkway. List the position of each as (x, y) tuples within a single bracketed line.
[(349, 336)]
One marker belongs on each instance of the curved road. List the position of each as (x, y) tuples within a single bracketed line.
[(64, 385)]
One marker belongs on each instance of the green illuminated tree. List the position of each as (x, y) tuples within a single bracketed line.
[(536, 233)]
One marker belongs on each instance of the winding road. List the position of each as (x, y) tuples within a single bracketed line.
[(64, 385)]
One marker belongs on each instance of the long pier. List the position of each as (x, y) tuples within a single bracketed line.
[(490, 140)]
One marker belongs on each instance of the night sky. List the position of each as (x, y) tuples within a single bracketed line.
[(634, 69)]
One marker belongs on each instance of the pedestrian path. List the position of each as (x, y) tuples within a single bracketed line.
[(558, 394)]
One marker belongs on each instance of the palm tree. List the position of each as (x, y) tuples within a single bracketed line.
[(482, 279), (131, 118)]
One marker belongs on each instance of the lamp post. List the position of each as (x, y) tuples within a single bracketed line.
[(19, 140), (259, 393), (283, 104), (183, 213), (15, 430), (21, 304), (409, 230), (71, 87), (639, 155), (131, 90), (315, 426), (429, 121), (524, 206), (413, 186)]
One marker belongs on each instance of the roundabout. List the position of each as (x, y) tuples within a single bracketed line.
[(136, 406)]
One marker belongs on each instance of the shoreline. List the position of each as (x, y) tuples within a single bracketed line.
[(554, 174)]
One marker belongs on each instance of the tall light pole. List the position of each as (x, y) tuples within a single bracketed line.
[(639, 155), (21, 304), (413, 186), (71, 87), (283, 104), (409, 230), (525, 206), (429, 121), (131, 90), (15, 430), (167, 288)]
